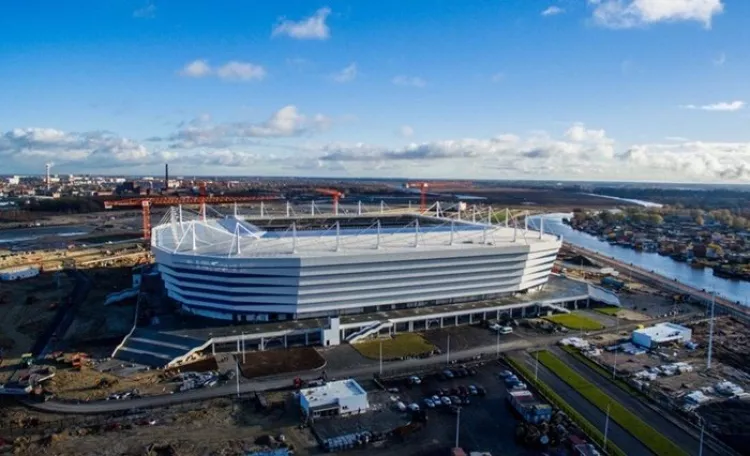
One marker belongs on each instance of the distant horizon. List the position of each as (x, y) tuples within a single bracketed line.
[(393, 179)]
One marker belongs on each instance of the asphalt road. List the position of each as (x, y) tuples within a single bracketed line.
[(655, 418), (621, 438), (275, 382), (284, 380)]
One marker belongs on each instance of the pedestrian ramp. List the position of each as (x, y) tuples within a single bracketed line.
[(156, 349)]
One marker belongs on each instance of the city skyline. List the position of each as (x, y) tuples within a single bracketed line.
[(555, 90)]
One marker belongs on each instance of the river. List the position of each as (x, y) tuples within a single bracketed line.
[(734, 290)]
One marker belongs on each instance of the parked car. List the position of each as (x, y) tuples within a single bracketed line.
[(401, 406), (455, 400), (506, 374), (473, 390), (428, 403), (435, 399), (445, 400), (414, 407), (415, 380), (481, 390), (448, 373)]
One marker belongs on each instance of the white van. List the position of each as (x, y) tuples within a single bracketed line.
[(505, 330)]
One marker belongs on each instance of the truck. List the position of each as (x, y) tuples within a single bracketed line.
[(529, 408)]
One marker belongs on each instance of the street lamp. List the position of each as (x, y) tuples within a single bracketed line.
[(458, 421)]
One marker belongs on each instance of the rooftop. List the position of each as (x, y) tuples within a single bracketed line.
[(301, 237), (332, 391), (663, 332)]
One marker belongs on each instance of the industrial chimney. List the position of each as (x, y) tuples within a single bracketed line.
[(47, 166), (166, 176)]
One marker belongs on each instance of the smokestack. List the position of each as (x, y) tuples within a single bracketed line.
[(166, 176), (46, 174)]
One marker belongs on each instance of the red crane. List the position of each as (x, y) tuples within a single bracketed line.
[(423, 186), (201, 200), (335, 194)]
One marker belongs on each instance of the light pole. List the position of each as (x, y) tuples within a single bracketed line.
[(243, 348), (497, 345), (606, 428), (700, 448), (448, 353), (536, 367), (237, 376), (381, 358), (458, 421), (614, 366)]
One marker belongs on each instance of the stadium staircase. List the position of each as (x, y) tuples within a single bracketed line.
[(156, 349), (368, 330)]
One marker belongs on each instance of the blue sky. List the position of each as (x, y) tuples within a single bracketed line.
[(521, 89)]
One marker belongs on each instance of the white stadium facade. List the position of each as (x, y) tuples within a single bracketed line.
[(297, 267)]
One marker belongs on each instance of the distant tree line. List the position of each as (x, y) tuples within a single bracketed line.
[(65, 205)]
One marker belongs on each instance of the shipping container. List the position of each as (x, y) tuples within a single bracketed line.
[(529, 407)]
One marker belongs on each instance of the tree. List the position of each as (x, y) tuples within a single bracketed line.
[(654, 219), (739, 223)]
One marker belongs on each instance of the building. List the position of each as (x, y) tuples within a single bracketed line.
[(341, 397), (661, 333), (24, 272), (271, 269)]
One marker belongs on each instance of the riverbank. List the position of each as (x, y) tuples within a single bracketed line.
[(733, 290)]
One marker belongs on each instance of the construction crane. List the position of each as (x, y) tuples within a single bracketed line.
[(201, 200), (335, 194), (423, 186)]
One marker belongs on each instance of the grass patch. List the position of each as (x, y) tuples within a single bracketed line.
[(611, 311), (654, 440), (589, 429), (400, 346), (603, 371), (575, 321)]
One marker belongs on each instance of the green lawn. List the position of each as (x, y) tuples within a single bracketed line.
[(589, 429), (654, 440), (611, 311), (575, 321), (400, 346)]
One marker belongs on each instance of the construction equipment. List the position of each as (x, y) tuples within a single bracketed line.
[(201, 200), (423, 186), (335, 194)]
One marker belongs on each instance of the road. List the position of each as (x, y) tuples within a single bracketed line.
[(284, 380), (621, 438), (662, 282), (654, 417)]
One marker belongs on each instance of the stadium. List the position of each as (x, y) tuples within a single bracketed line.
[(260, 269)]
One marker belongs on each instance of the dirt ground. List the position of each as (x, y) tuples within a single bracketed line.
[(273, 362), (217, 427), (83, 385), (730, 344), (21, 324)]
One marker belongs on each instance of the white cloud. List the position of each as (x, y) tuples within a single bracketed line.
[(553, 11), (233, 70), (196, 69), (240, 71), (146, 12), (348, 74), (406, 131), (287, 122), (24, 144), (702, 160), (311, 28), (728, 106), (636, 13), (409, 81)]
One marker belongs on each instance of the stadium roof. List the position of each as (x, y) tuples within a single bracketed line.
[(229, 238)]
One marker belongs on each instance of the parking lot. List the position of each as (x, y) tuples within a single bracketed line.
[(466, 337), (486, 422)]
